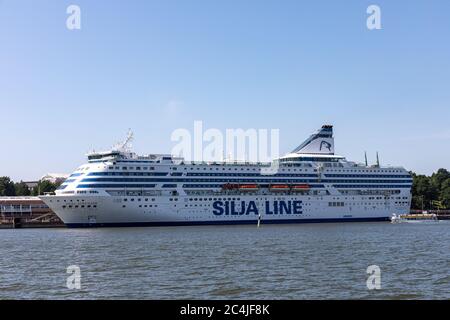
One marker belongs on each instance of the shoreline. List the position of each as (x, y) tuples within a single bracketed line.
[(4, 226), (46, 225)]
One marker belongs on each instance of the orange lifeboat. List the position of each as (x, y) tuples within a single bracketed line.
[(230, 186), (279, 187), (248, 187), (300, 187)]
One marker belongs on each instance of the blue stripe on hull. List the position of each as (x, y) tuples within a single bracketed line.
[(203, 223)]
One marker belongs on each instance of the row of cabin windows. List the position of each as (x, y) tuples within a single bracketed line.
[(257, 180), (131, 168), (197, 205), (342, 204), (139, 199), (335, 204), (71, 200), (207, 199), (79, 206), (247, 169), (239, 174), (147, 199), (369, 192), (238, 199), (213, 199), (370, 178), (283, 198), (145, 206), (330, 175), (248, 175)]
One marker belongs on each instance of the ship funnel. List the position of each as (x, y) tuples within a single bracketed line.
[(320, 142)]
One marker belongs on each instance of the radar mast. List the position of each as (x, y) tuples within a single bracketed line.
[(125, 146)]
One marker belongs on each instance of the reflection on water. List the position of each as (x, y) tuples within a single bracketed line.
[(313, 261)]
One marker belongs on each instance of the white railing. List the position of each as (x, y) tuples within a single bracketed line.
[(19, 198)]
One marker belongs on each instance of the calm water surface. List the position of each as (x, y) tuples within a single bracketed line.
[(313, 261)]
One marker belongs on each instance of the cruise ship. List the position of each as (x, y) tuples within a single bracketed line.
[(310, 184)]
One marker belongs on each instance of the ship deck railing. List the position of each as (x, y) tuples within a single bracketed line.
[(227, 163)]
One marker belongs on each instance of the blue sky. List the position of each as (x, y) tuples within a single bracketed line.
[(155, 66)]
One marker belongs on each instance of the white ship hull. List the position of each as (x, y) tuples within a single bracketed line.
[(109, 211)]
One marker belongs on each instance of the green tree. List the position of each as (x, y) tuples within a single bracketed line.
[(445, 193), (438, 178), (22, 189), (6, 187), (423, 191), (433, 188), (45, 186)]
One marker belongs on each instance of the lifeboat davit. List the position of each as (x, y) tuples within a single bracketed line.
[(279, 187), (248, 187), (300, 187)]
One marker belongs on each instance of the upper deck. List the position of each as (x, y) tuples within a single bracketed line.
[(313, 163)]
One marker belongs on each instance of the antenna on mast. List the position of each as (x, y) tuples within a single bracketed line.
[(378, 160), (125, 146), (365, 156)]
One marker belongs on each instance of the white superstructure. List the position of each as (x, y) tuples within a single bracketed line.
[(311, 184)]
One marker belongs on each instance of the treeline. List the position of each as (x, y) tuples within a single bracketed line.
[(431, 192), (9, 188)]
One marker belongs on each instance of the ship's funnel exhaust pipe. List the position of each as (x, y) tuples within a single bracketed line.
[(320, 142)]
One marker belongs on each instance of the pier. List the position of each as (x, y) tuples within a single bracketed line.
[(26, 212), (440, 214)]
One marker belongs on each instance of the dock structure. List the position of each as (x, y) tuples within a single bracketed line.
[(440, 214), (26, 212)]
